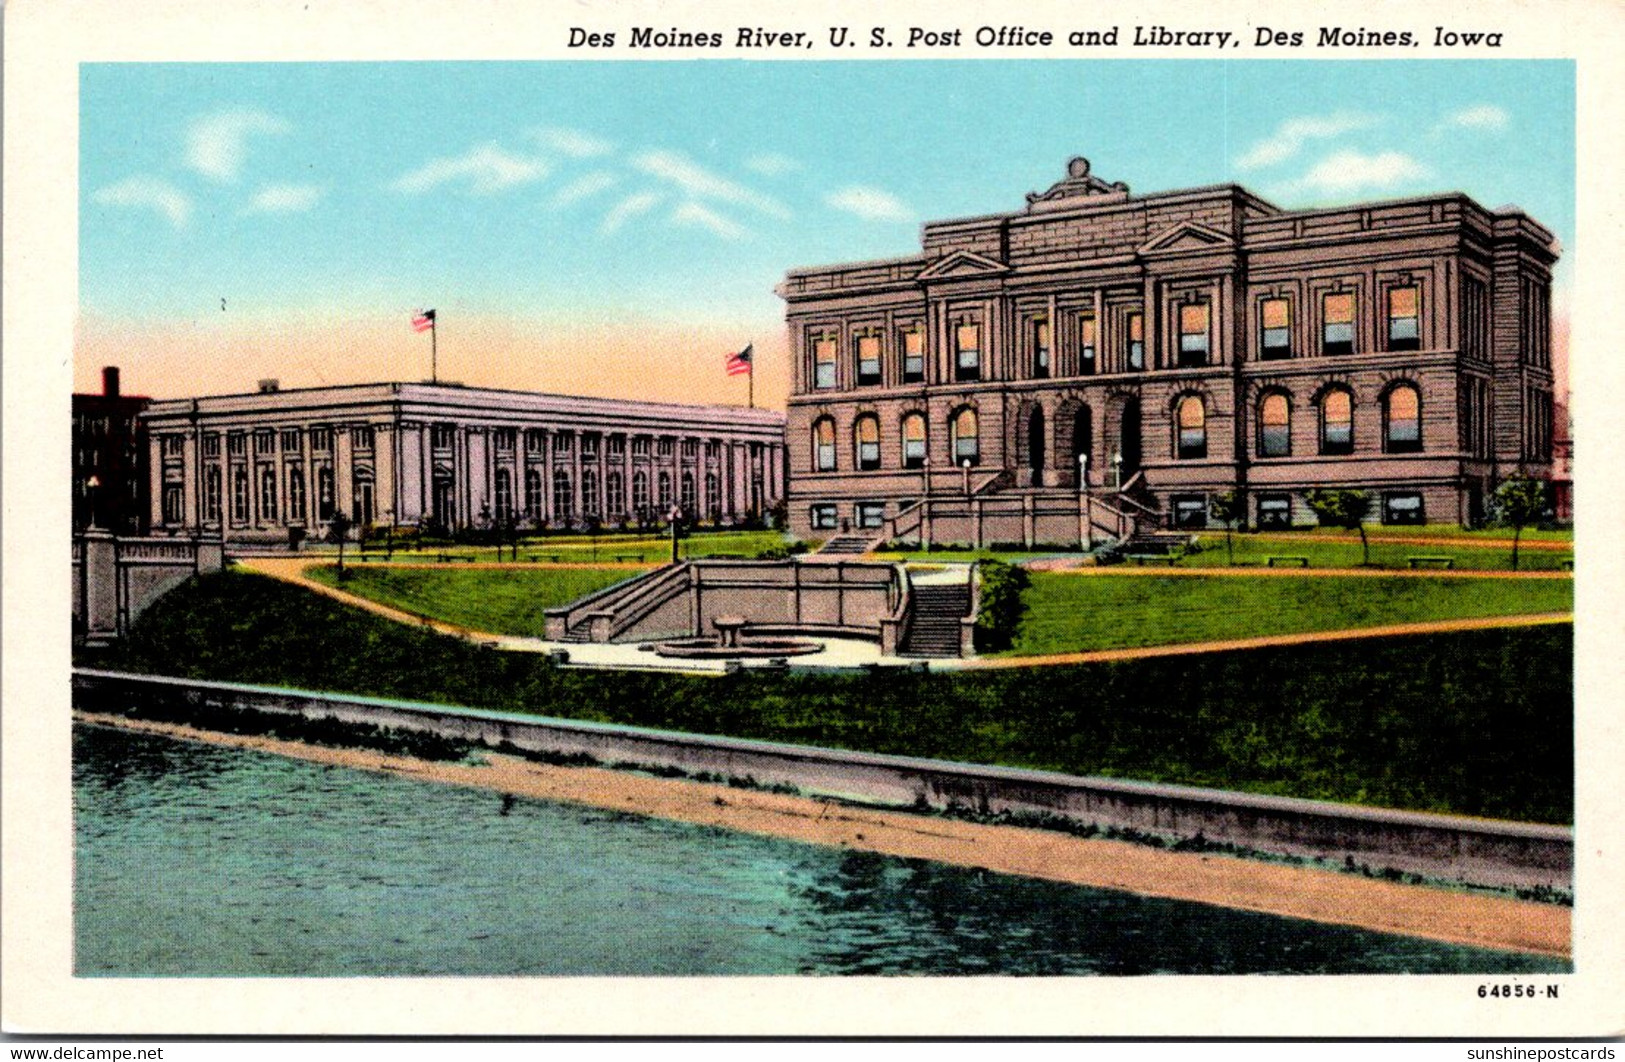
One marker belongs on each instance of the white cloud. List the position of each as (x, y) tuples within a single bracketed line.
[(487, 169), (284, 199), (1290, 137), (696, 216), (150, 193), (673, 168), (217, 144), (573, 142), (1352, 171), (871, 204), (629, 208), (772, 164), (584, 187), (1484, 116)]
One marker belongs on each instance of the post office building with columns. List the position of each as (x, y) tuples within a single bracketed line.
[(251, 466), (1171, 346)]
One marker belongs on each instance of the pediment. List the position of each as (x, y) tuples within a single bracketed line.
[(1188, 236), (962, 265)]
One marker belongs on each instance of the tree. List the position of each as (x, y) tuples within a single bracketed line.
[(1231, 508), (338, 530), (1345, 509), (1519, 501)]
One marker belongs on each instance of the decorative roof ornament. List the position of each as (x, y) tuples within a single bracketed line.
[(1076, 184)]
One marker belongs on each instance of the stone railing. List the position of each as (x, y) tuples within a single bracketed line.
[(115, 579)]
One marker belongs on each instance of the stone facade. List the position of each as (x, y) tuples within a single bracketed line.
[(1173, 346), (252, 466)]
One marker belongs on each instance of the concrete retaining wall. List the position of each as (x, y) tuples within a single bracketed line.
[(1478, 851)]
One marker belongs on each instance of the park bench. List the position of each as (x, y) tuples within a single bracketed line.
[(1431, 562), (629, 556), (446, 558), (553, 558), (1276, 561), (1170, 559)]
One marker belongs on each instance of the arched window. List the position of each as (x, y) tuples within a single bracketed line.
[(239, 494), (361, 498), (211, 495), (640, 490), (966, 439), (914, 441), (296, 493), (268, 494), (823, 432), (1274, 426), (324, 493), (535, 504), (589, 492), (1336, 422), (615, 494), (665, 491), (690, 500), (563, 497), (1402, 420), (504, 506), (866, 436), (713, 492), (1192, 420)]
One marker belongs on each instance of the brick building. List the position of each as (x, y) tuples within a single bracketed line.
[(109, 459), (252, 466), (1170, 346)]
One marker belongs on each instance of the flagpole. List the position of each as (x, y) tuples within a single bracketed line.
[(751, 382), (434, 349)]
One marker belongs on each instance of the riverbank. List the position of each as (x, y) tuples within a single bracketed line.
[(1316, 895)]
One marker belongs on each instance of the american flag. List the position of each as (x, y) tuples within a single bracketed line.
[(739, 364), (423, 322)]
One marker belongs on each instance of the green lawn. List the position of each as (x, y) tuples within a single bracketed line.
[(1477, 723), (1078, 613), (1255, 549), (650, 549), (498, 601)]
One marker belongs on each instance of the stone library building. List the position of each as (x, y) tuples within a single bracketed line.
[(253, 466), (1155, 350)]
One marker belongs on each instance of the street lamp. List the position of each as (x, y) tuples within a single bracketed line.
[(964, 464), (1117, 470), (672, 517), (1083, 473)]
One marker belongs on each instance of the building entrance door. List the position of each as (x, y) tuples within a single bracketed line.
[(1128, 441), (1035, 445)]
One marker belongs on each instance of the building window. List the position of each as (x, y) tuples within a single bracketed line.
[(535, 441), (688, 498), (913, 356), (664, 485), (823, 517), (1193, 335), (866, 434), (589, 447), (823, 432), (1136, 341), (1192, 419), (290, 440), (1404, 320), (1403, 509), (1274, 512), (503, 440), (1337, 323), (1275, 332), (296, 494), (1190, 510), (914, 441), (968, 352), (589, 492), (1274, 426), (663, 446), (691, 448), (615, 493), (1086, 346), (211, 495), (321, 440), (1336, 423), (563, 498), (824, 363), (361, 438), (1041, 348), (871, 514), (268, 494), (713, 491), (564, 442), (239, 495), (441, 436), (174, 499), (324, 494), (504, 492), (617, 446), (535, 504), (264, 442), (640, 491), (640, 446), (966, 439), (868, 357), (211, 446), (172, 445), (1402, 420)]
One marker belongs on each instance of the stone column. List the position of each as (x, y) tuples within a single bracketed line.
[(386, 498), (155, 466), (343, 471), (191, 472), (575, 478), (547, 476), (99, 598)]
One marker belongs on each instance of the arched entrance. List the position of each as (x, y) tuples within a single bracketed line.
[(1035, 445), (1128, 437)]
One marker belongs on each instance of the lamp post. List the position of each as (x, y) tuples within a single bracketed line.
[(964, 465), (1083, 473), (1117, 470), (91, 486), (1086, 516), (672, 517)]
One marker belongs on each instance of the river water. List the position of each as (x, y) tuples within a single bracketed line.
[(196, 860)]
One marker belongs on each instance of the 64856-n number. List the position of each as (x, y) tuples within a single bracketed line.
[(1517, 991)]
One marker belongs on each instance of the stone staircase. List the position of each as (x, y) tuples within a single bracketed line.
[(847, 545), (938, 608)]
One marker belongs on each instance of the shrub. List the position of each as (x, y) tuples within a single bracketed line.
[(1001, 608)]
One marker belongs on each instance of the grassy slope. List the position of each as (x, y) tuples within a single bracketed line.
[(497, 601), (1076, 613), (1478, 723), (652, 549)]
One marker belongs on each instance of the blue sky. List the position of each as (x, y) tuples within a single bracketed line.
[(314, 194)]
